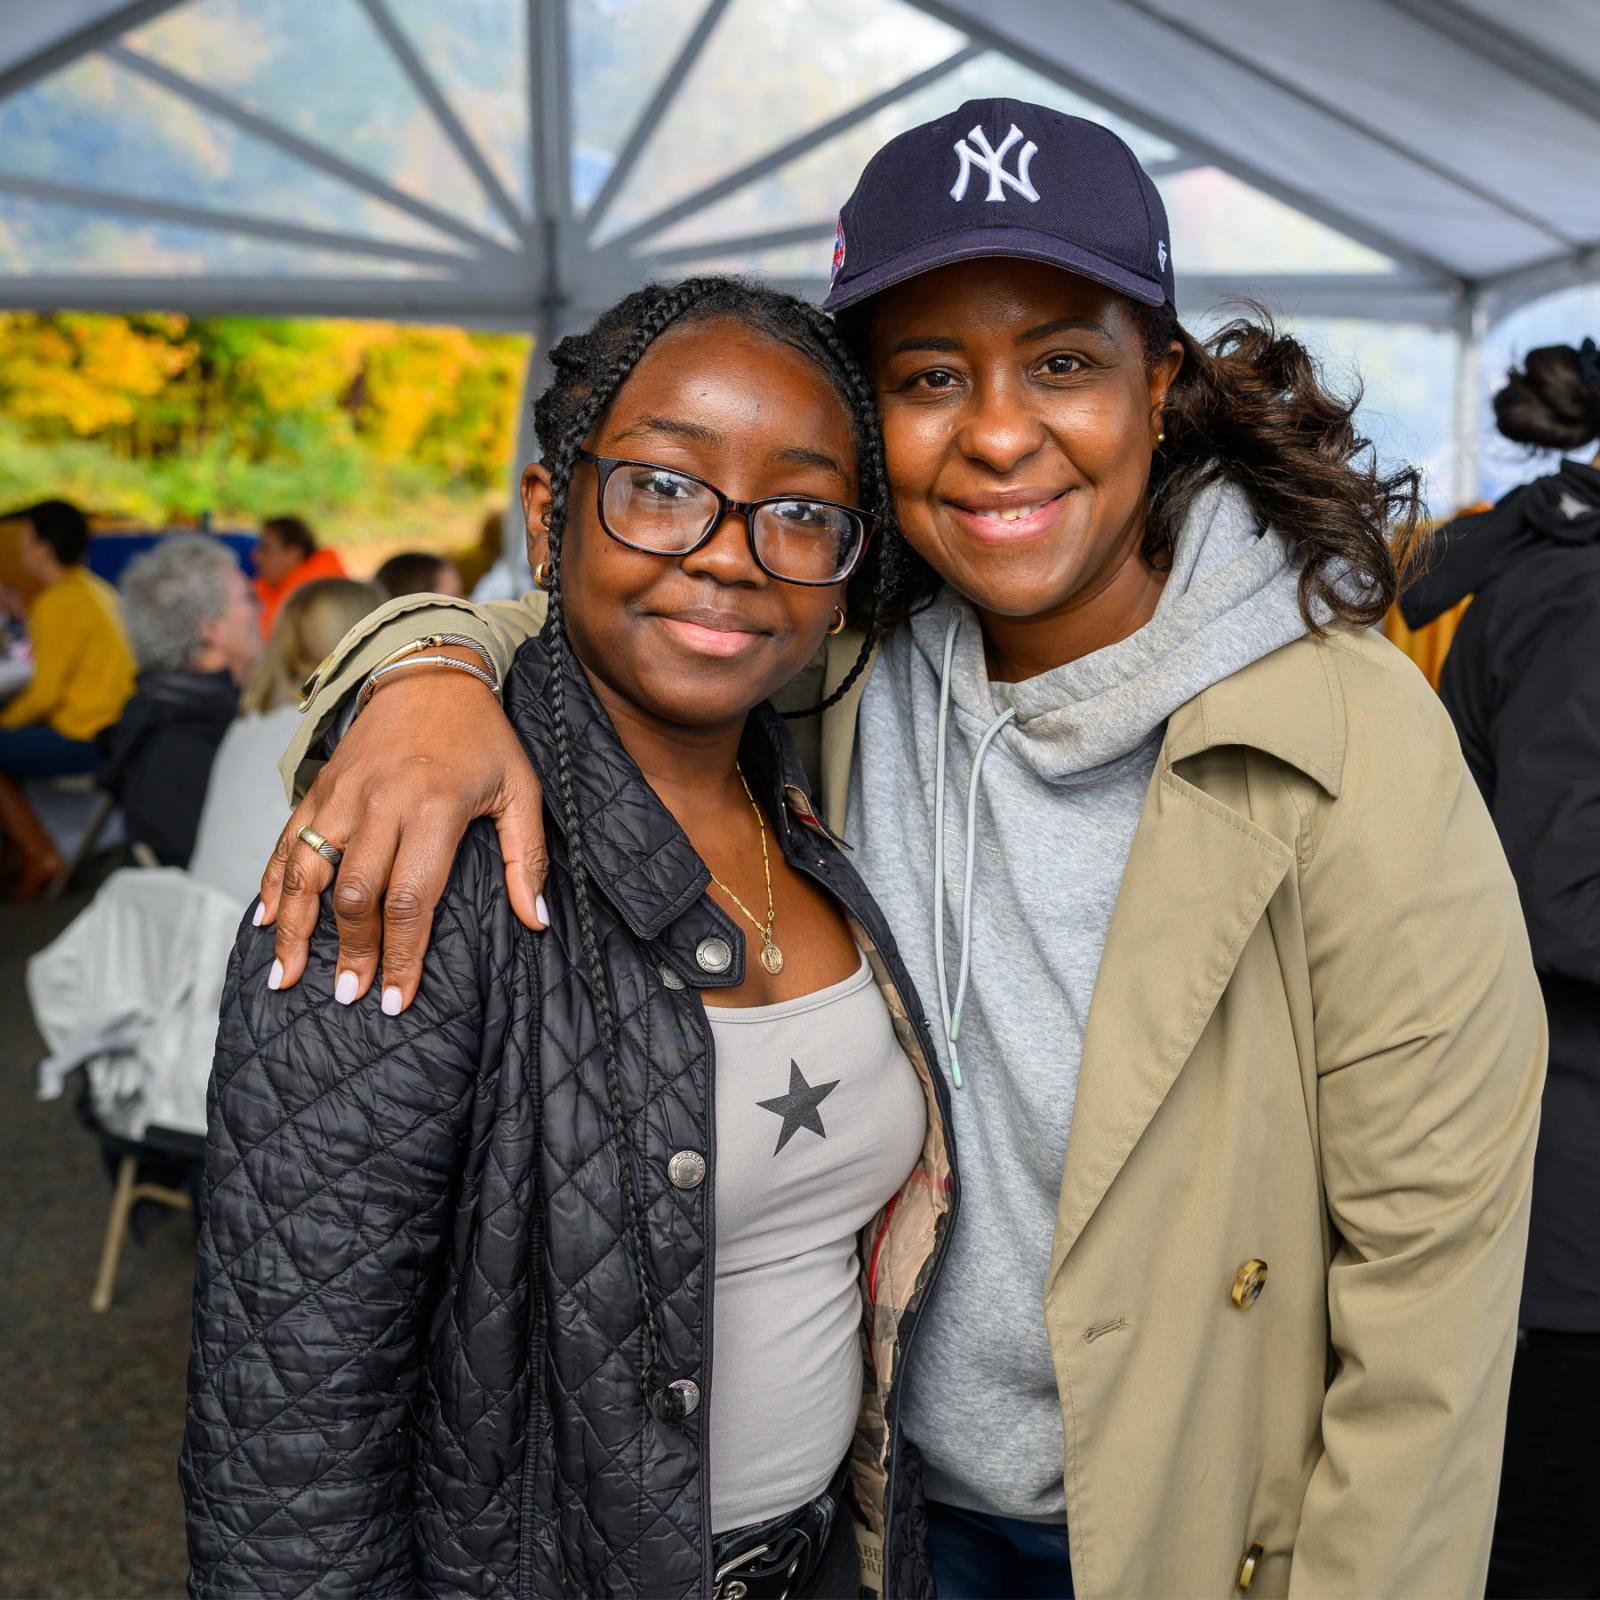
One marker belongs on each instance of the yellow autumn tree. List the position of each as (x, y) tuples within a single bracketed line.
[(83, 374)]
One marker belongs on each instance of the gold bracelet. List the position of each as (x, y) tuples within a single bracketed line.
[(384, 671), (428, 641)]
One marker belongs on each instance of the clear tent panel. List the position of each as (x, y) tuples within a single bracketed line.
[(67, 243), (98, 124), (1220, 225), (811, 187), (477, 53), (1406, 372), (322, 70), (620, 52), (726, 112)]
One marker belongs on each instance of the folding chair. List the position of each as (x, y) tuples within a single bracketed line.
[(166, 1145), (104, 808)]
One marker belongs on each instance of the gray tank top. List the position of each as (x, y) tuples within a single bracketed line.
[(819, 1120)]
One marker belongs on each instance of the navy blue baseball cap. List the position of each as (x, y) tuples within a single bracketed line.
[(1004, 178)]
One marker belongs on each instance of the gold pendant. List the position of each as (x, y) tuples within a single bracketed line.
[(772, 958)]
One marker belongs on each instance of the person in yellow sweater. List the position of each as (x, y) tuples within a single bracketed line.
[(83, 673)]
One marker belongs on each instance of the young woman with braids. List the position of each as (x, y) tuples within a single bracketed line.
[(1522, 685), (1232, 988), (562, 1281)]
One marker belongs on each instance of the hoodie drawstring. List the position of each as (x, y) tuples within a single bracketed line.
[(952, 1014)]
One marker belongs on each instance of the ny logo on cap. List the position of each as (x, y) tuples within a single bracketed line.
[(993, 162)]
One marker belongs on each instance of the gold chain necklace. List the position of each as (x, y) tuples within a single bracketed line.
[(771, 955)]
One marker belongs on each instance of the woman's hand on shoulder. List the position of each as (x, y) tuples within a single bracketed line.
[(427, 755)]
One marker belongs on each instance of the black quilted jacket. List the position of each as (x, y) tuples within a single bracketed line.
[(417, 1351)]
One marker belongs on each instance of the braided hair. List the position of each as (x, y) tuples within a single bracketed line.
[(590, 368)]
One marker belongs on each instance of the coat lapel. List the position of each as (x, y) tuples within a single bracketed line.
[(1198, 879)]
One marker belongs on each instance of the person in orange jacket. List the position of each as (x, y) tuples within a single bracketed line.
[(287, 555)]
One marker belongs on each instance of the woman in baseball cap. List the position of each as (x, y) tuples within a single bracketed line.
[(1230, 972)]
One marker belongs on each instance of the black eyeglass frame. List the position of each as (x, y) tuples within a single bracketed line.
[(604, 466)]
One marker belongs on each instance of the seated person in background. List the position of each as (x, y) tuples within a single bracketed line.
[(191, 616), (287, 555), (82, 677), (418, 572), (245, 805)]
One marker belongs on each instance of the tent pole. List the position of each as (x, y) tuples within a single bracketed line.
[(1471, 324), (551, 127)]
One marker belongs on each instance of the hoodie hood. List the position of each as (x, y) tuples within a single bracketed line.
[(1231, 597), (1472, 551)]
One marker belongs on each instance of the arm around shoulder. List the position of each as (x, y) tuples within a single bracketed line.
[(1430, 1047), (500, 628)]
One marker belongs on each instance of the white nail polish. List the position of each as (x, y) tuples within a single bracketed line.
[(275, 977), (259, 914), (541, 910), (391, 1002), (344, 991)]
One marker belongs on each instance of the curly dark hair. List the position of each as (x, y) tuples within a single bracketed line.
[(1252, 404), (1552, 401), (590, 368)]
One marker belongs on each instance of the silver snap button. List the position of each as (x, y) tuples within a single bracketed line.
[(669, 978), (677, 1400), (687, 1169), (714, 954)]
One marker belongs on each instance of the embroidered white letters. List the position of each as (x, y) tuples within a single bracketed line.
[(992, 161)]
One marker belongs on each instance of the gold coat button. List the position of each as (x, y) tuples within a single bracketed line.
[(1248, 1284), (1247, 1567)]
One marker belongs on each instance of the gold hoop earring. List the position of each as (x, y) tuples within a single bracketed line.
[(541, 575), (838, 621)]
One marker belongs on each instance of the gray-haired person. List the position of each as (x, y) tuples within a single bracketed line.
[(192, 619)]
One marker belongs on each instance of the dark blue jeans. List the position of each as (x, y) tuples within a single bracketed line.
[(41, 752), (979, 1557)]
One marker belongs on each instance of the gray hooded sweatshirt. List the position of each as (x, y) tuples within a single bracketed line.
[(999, 901)]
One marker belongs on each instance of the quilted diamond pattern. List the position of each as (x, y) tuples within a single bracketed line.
[(417, 1357)]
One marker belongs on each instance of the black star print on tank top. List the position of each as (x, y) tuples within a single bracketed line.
[(798, 1108)]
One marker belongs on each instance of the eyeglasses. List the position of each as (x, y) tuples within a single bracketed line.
[(663, 512)]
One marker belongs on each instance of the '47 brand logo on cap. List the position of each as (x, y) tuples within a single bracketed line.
[(993, 162)]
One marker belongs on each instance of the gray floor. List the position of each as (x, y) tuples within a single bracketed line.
[(91, 1407)]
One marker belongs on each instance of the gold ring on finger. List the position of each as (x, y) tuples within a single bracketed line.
[(329, 853)]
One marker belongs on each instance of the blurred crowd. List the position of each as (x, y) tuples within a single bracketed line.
[(171, 693)]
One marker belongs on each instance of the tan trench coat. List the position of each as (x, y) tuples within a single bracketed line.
[(1283, 1290)]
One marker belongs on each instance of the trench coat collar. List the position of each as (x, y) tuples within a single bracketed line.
[(636, 854), (1199, 877), (1287, 705)]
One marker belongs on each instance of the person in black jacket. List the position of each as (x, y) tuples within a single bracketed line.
[(195, 628), (1522, 684), (591, 1271)]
